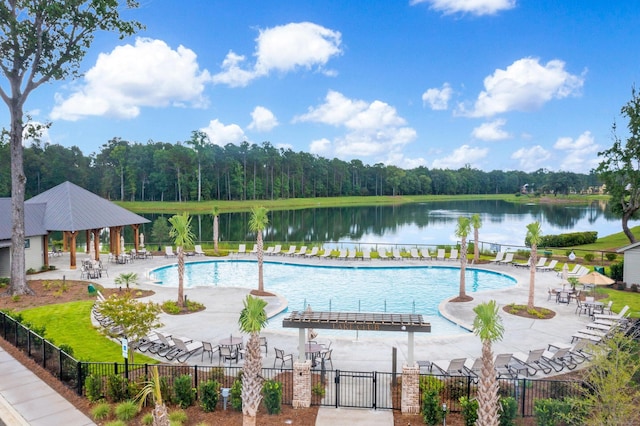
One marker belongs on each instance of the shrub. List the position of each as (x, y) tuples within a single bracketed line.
[(217, 373), (634, 288), (184, 394), (66, 348), (147, 419), (116, 423), (617, 271), (566, 240), (93, 387), (428, 383), (318, 390), (165, 389), (272, 392), (126, 411), (509, 411), (170, 307), (548, 411), (236, 395), (177, 417), (431, 412), (588, 257), (31, 271), (116, 388), (611, 256), (101, 411), (469, 410), (4, 281), (209, 394)]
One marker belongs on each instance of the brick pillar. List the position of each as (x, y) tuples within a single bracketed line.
[(410, 403), (301, 384)]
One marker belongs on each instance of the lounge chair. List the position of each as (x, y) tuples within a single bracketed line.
[(302, 252), (382, 254), (414, 254), (440, 255), (541, 262), (473, 367), (453, 254), (504, 366), (579, 351), (277, 249), (582, 270), (197, 249), (526, 264), (533, 362), (268, 251), (615, 317), (559, 359), (550, 267), (366, 254), (396, 254), (291, 252), (352, 254), (574, 271), (326, 254), (168, 252), (455, 367), (254, 249), (183, 351), (342, 254), (508, 258), (313, 252), (498, 258), (242, 249), (425, 254)]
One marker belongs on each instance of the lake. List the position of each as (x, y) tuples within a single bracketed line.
[(412, 224)]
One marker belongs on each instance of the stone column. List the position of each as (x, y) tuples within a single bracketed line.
[(301, 384), (410, 402)]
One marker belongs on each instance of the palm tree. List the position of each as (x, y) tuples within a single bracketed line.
[(476, 222), (488, 326), (152, 389), (215, 212), (534, 235), (127, 278), (182, 237), (253, 319), (257, 223), (462, 230)]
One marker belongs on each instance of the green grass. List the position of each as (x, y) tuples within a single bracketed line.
[(621, 298), (70, 324)]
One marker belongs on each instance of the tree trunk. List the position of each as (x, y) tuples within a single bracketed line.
[(487, 389), (625, 227), (260, 261), (215, 233), (181, 276), (463, 268), (251, 381), (476, 247)]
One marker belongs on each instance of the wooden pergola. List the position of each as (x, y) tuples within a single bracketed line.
[(360, 321)]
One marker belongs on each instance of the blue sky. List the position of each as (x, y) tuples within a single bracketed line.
[(496, 84)]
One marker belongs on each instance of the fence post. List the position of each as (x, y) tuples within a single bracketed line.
[(337, 383), (115, 368), (195, 379), (29, 343), (126, 369), (375, 390), (44, 352), (523, 393), (60, 364), (79, 378), (394, 362)]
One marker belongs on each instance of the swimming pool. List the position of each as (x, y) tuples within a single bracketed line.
[(413, 289)]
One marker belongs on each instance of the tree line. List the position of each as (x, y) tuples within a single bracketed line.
[(196, 169)]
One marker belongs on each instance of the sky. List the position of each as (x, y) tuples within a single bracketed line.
[(490, 84)]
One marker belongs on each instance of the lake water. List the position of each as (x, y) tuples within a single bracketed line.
[(408, 224)]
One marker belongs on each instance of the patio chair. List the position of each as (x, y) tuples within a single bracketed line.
[(197, 249), (455, 367), (302, 252), (498, 258), (563, 297), (314, 252), (533, 362), (168, 252), (508, 258), (325, 356), (614, 317), (541, 262), (227, 354), (440, 255), (263, 342), (207, 347), (290, 252), (526, 264), (280, 355), (453, 254), (581, 308), (550, 267), (425, 254), (382, 254)]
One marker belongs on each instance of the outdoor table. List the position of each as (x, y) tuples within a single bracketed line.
[(312, 350), (594, 307), (231, 342)]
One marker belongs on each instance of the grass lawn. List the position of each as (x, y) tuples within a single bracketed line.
[(621, 298), (70, 324)]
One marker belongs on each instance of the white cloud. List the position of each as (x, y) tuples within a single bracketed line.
[(491, 131), (580, 152), (221, 134), (148, 73), (460, 157), (474, 7), (320, 146), (372, 129), (438, 99), (525, 85), (263, 119), (284, 48), (531, 159)]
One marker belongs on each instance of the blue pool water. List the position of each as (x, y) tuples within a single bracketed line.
[(417, 289)]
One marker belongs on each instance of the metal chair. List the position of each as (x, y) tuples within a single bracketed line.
[(208, 347), (263, 342), (280, 355), (227, 354)]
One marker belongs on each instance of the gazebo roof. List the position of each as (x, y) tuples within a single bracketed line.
[(33, 219), (361, 321), (72, 208)]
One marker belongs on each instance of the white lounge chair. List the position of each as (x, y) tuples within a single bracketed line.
[(352, 254), (342, 254), (326, 254), (382, 254), (533, 362), (541, 262), (506, 260), (290, 252), (550, 267), (396, 254), (269, 250), (254, 249), (277, 250), (366, 254), (425, 254), (197, 249), (440, 255), (414, 254), (168, 252), (302, 252), (498, 258), (455, 367), (242, 249), (313, 252), (453, 254)]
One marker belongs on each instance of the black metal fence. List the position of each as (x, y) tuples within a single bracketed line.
[(336, 388)]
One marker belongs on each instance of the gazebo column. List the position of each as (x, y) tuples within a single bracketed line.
[(65, 241), (301, 342), (87, 234), (112, 234), (136, 236), (72, 244), (410, 346), (96, 243)]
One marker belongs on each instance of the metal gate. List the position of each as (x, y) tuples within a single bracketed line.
[(359, 389)]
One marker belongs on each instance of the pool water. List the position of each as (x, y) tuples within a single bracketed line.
[(418, 289)]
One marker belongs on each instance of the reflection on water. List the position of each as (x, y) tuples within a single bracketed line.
[(420, 223)]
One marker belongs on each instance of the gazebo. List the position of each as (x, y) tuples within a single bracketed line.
[(71, 209)]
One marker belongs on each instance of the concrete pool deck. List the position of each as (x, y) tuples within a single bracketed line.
[(361, 353)]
